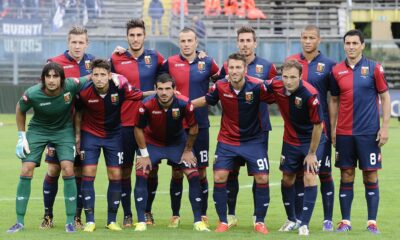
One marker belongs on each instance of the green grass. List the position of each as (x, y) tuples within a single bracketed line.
[(388, 217)]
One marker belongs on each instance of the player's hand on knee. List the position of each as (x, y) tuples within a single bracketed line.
[(22, 147), (311, 163), (189, 159), (143, 163)]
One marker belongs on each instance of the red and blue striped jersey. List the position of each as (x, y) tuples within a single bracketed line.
[(317, 73), (300, 110), (102, 115), (192, 80), (262, 69), (141, 74), (358, 90), (240, 121), (71, 67), (164, 127)]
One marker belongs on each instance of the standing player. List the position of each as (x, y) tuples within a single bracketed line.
[(257, 67), (192, 76), (140, 66), (357, 85), (76, 63), (303, 139), (240, 137), (160, 135), (52, 102), (316, 70), (101, 129)]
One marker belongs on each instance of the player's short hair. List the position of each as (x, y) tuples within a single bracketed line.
[(164, 78), (312, 28), (188, 29), (58, 69), (77, 30), (101, 63), (354, 32), (237, 56), (291, 63), (246, 29), (135, 23)]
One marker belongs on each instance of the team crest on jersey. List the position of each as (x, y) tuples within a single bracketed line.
[(259, 68), (298, 102), (320, 67), (147, 60), (201, 65), (114, 98), (249, 97), (88, 64), (176, 113), (364, 70), (67, 97)]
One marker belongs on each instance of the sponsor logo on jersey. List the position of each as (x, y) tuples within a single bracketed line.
[(68, 66), (228, 95), (343, 72), (175, 113), (126, 62), (88, 64), (259, 68), (67, 97), (179, 65), (156, 112), (298, 102), (93, 100), (147, 60), (320, 67), (201, 66), (249, 97), (45, 104), (364, 70), (114, 98)]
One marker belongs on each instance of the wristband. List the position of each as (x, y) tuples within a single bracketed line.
[(144, 152)]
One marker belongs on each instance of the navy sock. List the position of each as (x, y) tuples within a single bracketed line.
[(79, 200), (220, 198), (88, 197), (372, 196), (151, 189), (233, 190), (113, 199), (288, 198), (195, 195), (175, 192), (50, 188), (126, 191), (204, 196), (346, 194), (141, 194), (310, 196), (327, 193), (261, 201), (299, 189)]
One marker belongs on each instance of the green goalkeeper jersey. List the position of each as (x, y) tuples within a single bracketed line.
[(51, 113)]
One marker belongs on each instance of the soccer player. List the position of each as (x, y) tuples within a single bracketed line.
[(316, 70), (240, 137), (192, 75), (101, 102), (52, 102), (160, 135), (357, 85), (257, 67), (76, 63), (140, 66), (303, 140)]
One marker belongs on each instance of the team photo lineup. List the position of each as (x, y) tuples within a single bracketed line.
[(139, 108)]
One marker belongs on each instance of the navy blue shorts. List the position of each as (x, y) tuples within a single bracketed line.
[(241, 162), (292, 157), (363, 148), (129, 146), (254, 154), (91, 146), (51, 156), (325, 164), (173, 153), (201, 147)]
